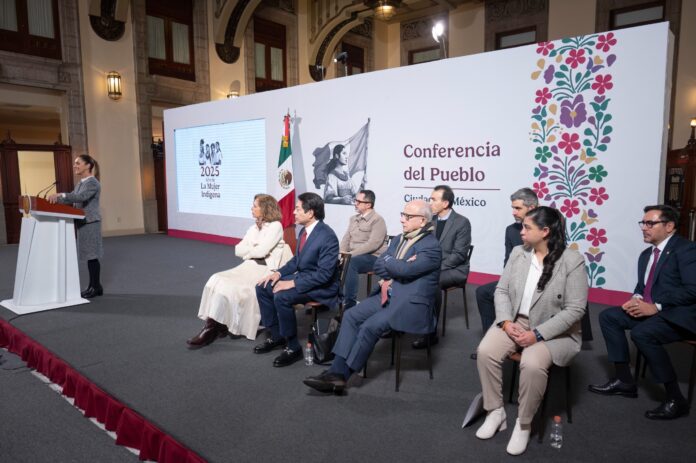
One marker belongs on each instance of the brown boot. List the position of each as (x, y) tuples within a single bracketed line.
[(210, 332)]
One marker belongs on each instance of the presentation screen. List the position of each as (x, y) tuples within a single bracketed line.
[(220, 167)]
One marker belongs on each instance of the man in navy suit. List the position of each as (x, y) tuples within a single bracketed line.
[(409, 272), (311, 275), (661, 311)]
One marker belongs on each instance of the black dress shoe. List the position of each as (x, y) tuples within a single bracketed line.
[(422, 342), (86, 291), (669, 410), (327, 382), (615, 387), (210, 332), (287, 357), (268, 345), (89, 293)]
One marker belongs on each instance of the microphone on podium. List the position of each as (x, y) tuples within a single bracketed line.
[(47, 189)]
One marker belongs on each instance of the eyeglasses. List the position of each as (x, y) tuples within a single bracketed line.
[(650, 223), (410, 216), (357, 201)]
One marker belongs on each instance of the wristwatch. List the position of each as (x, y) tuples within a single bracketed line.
[(538, 335)]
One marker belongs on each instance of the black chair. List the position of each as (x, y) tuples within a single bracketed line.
[(397, 337), (539, 417), (640, 361), (313, 307), (369, 274), (447, 290)]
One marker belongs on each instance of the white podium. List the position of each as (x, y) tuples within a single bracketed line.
[(47, 275)]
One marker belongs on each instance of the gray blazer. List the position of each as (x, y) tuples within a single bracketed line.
[(85, 196), (455, 241), (557, 310)]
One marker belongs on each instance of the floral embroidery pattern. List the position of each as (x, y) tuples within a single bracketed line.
[(571, 131)]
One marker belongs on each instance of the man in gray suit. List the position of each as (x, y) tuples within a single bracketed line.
[(453, 231)]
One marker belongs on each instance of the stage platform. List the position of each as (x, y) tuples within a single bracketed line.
[(225, 403)]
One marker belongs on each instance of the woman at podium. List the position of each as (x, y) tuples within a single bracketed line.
[(229, 302), (85, 196)]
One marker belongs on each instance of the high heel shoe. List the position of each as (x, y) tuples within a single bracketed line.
[(495, 421)]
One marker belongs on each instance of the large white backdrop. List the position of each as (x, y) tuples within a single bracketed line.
[(580, 120)]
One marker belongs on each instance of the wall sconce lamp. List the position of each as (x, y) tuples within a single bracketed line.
[(691, 144), (438, 32), (113, 85), (234, 89)]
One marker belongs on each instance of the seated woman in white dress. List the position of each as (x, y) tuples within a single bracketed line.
[(229, 302)]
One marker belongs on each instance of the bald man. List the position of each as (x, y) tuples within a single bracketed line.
[(409, 271)]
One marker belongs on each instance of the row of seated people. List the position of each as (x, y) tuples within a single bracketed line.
[(538, 302)]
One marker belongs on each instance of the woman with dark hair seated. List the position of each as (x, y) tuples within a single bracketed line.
[(229, 302), (539, 303)]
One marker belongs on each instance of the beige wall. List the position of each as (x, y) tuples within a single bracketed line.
[(685, 101), (568, 18), (222, 74), (112, 130), (466, 30)]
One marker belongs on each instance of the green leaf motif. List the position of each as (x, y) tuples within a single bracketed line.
[(608, 129), (600, 281)]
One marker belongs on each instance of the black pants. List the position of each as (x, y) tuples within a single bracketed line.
[(486, 305)]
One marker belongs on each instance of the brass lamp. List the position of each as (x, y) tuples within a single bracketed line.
[(113, 85)]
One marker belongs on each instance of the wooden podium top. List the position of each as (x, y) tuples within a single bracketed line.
[(34, 204)]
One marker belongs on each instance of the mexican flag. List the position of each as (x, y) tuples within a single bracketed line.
[(285, 185)]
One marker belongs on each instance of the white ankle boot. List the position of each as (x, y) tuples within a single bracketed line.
[(495, 421), (518, 440)]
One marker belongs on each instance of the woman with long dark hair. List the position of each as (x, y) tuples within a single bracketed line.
[(340, 188), (539, 303), (85, 196)]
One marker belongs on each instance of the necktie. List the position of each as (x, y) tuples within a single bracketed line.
[(384, 293), (303, 239), (647, 293)]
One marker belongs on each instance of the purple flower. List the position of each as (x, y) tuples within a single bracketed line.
[(573, 114), (611, 59), (594, 258), (599, 99), (548, 74), (592, 213), (536, 110)]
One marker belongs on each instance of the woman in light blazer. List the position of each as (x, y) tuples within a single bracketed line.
[(85, 196), (539, 303), (229, 304)]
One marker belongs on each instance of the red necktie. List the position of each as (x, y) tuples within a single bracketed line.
[(384, 293), (647, 293), (303, 239)]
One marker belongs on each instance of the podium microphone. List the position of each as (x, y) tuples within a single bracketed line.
[(47, 189)]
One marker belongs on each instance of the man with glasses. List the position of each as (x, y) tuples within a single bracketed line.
[(365, 239), (661, 311), (409, 271), (453, 231)]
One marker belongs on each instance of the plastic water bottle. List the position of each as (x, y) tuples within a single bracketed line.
[(309, 355), (556, 435)]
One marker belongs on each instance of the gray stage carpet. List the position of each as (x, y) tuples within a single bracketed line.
[(227, 404)]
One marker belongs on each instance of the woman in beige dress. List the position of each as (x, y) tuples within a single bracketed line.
[(229, 302)]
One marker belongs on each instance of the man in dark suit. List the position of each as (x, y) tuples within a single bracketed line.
[(409, 271), (521, 202), (453, 231), (311, 275), (661, 311)]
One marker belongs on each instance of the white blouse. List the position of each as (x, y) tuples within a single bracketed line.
[(535, 270)]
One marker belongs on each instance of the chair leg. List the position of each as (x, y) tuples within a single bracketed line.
[(369, 284), (542, 417), (466, 307), (636, 374), (692, 378), (430, 358), (394, 336), (398, 361), (444, 312), (514, 380), (569, 402)]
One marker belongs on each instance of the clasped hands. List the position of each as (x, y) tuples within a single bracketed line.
[(277, 285), (522, 337), (637, 307)]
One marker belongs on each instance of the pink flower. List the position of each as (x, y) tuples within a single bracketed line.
[(570, 207), (540, 189), (569, 142), (575, 58), (597, 236), (602, 84), (598, 195), (545, 48), (543, 95), (604, 42)]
